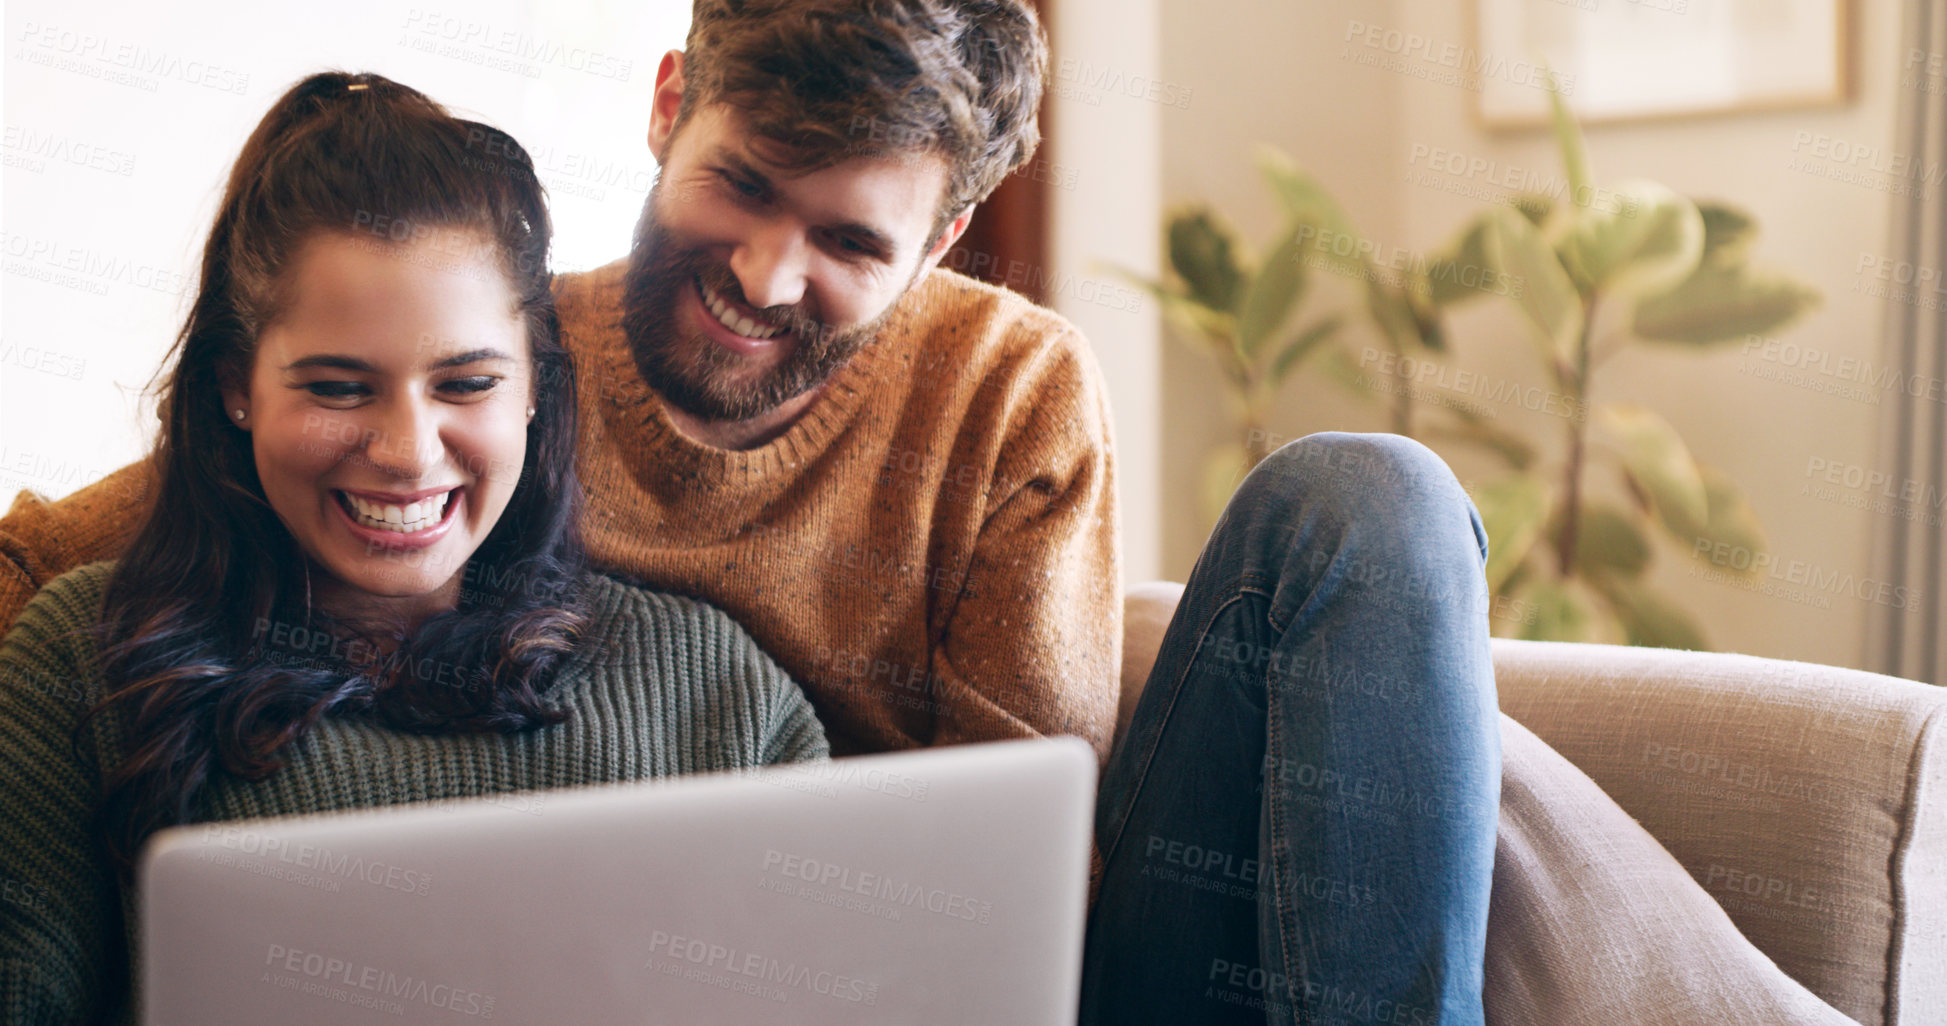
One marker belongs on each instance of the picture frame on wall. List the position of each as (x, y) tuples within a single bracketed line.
[(1628, 60)]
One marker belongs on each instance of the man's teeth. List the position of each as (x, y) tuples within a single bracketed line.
[(413, 516), (732, 319)]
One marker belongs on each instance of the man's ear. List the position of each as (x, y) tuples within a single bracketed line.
[(954, 229), (667, 101)]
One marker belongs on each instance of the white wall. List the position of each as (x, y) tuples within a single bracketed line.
[(1284, 76), (1104, 133), (123, 118)]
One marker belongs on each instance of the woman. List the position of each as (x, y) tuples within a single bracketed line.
[(361, 582)]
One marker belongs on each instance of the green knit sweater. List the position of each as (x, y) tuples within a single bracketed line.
[(659, 685)]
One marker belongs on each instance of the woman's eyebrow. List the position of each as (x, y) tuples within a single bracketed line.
[(471, 356), (353, 363)]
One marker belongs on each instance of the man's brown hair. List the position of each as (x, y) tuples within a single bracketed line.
[(822, 81)]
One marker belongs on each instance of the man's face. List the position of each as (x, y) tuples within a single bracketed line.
[(749, 285)]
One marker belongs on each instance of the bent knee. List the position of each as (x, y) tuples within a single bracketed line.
[(1362, 475)]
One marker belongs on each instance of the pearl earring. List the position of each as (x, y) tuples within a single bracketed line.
[(530, 411), (239, 414)]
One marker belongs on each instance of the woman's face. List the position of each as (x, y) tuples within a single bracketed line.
[(388, 407)]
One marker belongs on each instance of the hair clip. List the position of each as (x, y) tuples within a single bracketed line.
[(355, 86)]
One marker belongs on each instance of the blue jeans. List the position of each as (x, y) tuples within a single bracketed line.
[(1298, 825)]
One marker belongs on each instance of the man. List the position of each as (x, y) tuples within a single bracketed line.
[(901, 482)]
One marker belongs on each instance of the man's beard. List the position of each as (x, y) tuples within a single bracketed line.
[(699, 376)]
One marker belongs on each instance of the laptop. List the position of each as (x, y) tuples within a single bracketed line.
[(941, 886)]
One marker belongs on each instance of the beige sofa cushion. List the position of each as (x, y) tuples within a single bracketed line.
[(1592, 923), (1810, 801)]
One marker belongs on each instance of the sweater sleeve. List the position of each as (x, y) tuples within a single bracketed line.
[(795, 735), (788, 729), (41, 540), (61, 928), (1032, 646)]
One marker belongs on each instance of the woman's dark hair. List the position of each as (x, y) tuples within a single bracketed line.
[(210, 645)]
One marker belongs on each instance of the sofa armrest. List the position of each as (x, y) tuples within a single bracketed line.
[(1810, 801)]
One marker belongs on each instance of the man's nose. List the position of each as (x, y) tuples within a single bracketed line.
[(771, 267)]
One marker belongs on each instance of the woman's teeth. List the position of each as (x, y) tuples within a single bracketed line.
[(413, 516), (732, 319)]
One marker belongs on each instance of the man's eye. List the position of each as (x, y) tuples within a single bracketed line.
[(478, 383), (743, 187), (335, 389), (850, 246)]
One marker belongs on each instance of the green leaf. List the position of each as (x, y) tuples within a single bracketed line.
[(1307, 202), (1724, 303), (1297, 348), (1609, 542), (1279, 282), (1534, 206), (1568, 139), (1562, 612), (1732, 523), (1393, 314), (1203, 254), (1343, 367), (1539, 286), (1650, 619), (1655, 457), (1646, 244), (1728, 232), (1513, 510), (1475, 430), (1462, 272)]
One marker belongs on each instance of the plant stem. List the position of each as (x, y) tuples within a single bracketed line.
[(1577, 386), (1402, 393)]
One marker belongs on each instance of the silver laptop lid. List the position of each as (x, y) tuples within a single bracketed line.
[(942, 886)]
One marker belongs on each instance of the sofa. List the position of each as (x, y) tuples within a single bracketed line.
[(1808, 802)]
